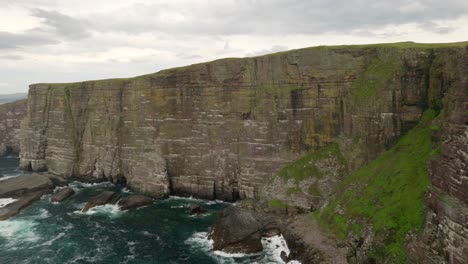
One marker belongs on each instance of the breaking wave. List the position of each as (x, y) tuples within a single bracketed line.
[(110, 210), (272, 248)]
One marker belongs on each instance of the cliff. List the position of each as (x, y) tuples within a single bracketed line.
[(11, 115), (219, 129), (295, 129)]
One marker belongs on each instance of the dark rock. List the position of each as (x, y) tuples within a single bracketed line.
[(196, 209), (21, 185), (271, 232), (25, 189), (21, 203), (57, 180), (134, 201), (106, 197), (238, 230), (62, 194), (284, 256)]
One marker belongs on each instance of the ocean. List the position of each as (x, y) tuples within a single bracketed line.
[(163, 232)]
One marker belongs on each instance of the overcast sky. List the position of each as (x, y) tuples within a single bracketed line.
[(73, 40)]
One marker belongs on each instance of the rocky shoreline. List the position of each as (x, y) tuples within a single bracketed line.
[(237, 229), (19, 192)]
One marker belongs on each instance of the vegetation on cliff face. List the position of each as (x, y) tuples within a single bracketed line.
[(376, 75), (305, 167), (388, 193)]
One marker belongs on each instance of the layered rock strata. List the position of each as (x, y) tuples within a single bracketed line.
[(446, 230), (220, 129), (11, 115)]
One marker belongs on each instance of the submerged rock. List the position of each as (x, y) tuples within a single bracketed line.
[(134, 201), (106, 197), (62, 194), (25, 190), (195, 209), (238, 230)]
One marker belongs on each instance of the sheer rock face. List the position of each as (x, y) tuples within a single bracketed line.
[(11, 115), (223, 129), (446, 230), (220, 129)]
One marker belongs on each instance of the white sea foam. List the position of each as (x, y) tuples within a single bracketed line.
[(111, 210), (18, 231), (8, 176), (209, 202), (49, 243), (272, 248), (43, 213), (76, 185), (6, 201), (126, 190), (148, 234)]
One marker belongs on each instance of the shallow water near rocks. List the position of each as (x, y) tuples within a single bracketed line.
[(48, 232)]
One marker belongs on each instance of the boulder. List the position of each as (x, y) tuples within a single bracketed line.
[(62, 194), (134, 201), (195, 209), (22, 202), (25, 190), (106, 197), (238, 230), (21, 185)]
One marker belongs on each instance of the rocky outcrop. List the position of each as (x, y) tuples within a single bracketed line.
[(11, 115), (62, 194), (195, 209), (106, 197), (220, 129), (238, 230), (134, 201), (24, 190)]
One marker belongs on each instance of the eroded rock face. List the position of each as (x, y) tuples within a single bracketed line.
[(134, 201), (220, 129), (62, 194), (11, 115), (238, 230), (446, 233), (106, 197)]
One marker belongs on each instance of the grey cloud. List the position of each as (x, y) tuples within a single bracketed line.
[(63, 25), (188, 56), (13, 40), (273, 49), (11, 57), (433, 27), (55, 28), (276, 16)]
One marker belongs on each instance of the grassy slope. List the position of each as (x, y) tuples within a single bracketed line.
[(397, 45), (388, 193)]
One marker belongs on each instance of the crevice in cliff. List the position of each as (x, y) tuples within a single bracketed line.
[(78, 123), (119, 130)]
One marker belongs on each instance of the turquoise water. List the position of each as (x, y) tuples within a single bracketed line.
[(160, 233)]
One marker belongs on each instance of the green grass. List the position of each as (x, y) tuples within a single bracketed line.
[(305, 168), (388, 192), (376, 75), (314, 191), (277, 204), (293, 190)]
